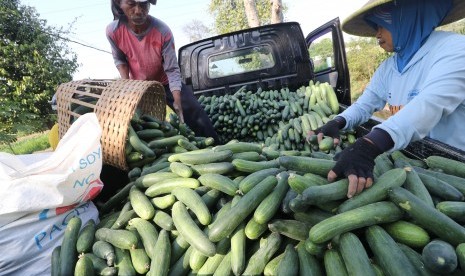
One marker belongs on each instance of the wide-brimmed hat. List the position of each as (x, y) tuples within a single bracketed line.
[(355, 24)]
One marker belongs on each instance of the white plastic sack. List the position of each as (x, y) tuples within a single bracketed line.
[(37, 199)]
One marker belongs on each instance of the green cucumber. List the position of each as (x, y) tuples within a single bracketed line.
[(453, 209), (272, 266), (124, 218), (190, 231), (212, 263), (163, 220), (334, 264), (165, 142), (293, 229), (416, 259), (181, 169), (387, 253), (299, 183), (55, 265), (162, 255), (141, 203), (206, 157), (307, 164), (240, 147), (219, 182), (224, 268), (137, 144), (312, 216), (168, 185), (147, 180), (289, 265), (139, 258), (440, 257), (374, 213), (453, 180), (428, 217), (123, 262), (194, 202), (163, 202), (254, 178), (180, 266), (259, 259), (86, 237), (238, 245), (197, 260), (354, 255), (392, 178), (270, 205), (413, 182), (248, 155), (68, 252), (460, 251), (446, 165), (254, 230), (225, 225), (308, 264), (216, 168), (330, 192), (120, 238), (104, 250), (407, 233), (254, 166), (147, 232), (84, 266), (441, 188)]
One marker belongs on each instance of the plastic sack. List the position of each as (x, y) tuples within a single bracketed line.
[(38, 199)]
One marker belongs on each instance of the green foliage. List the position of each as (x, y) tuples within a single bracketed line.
[(33, 62), (27, 145), (319, 51), (230, 15), (358, 51)]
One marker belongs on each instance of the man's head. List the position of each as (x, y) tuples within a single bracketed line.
[(131, 9)]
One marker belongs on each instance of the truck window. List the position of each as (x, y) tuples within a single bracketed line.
[(322, 53), (240, 61)]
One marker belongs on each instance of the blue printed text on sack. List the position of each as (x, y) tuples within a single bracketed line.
[(88, 160), (56, 229)]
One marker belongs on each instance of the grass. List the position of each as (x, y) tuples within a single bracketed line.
[(28, 144)]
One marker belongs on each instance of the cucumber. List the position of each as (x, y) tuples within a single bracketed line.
[(100, 267), (387, 253), (212, 263), (334, 264), (453, 209), (272, 266), (84, 266), (168, 185), (354, 255), (441, 188), (252, 166), (440, 257), (427, 217), (259, 259), (312, 216), (270, 205), (181, 169), (453, 180), (206, 157), (137, 144), (377, 192), (238, 245), (190, 231), (240, 147), (374, 213), (447, 165), (86, 237), (120, 238), (225, 266), (413, 182), (216, 168), (194, 202), (256, 177), (325, 193), (293, 229), (299, 183), (55, 265), (68, 252), (416, 259), (123, 262), (147, 180), (187, 145), (165, 142), (180, 267), (408, 233), (308, 264), (254, 230), (163, 220), (140, 259), (460, 251), (219, 182), (163, 202), (225, 225), (248, 155), (141, 203), (148, 234), (307, 164), (289, 265), (162, 255), (179, 246), (104, 250)]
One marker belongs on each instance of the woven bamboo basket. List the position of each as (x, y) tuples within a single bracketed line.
[(114, 102)]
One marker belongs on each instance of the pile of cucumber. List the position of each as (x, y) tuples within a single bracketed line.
[(247, 208), (272, 117)]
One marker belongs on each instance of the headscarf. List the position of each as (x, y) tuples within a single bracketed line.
[(410, 23)]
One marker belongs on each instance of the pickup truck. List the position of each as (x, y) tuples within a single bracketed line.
[(287, 59)]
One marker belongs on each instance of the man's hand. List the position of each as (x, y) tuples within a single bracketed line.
[(177, 105), (330, 129), (356, 163)]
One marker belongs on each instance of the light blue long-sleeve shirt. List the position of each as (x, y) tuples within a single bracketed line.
[(428, 95)]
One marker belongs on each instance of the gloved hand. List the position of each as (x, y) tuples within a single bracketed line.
[(330, 129), (356, 162)]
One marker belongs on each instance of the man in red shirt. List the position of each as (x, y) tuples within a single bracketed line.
[(143, 49)]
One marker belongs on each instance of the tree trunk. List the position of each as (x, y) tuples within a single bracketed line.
[(251, 13), (276, 11)]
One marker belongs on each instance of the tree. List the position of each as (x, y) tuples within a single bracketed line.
[(33, 62), (232, 15), (196, 30)]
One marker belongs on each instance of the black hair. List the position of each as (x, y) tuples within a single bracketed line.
[(118, 12)]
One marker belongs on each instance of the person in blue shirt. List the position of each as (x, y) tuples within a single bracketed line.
[(422, 83)]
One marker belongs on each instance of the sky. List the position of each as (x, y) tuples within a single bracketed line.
[(89, 19)]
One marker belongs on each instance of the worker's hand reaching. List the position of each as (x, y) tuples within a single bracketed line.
[(356, 163), (177, 105), (330, 129)]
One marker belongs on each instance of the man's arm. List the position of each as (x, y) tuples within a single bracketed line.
[(123, 70)]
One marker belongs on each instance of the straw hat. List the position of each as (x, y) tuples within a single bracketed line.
[(355, 24)]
